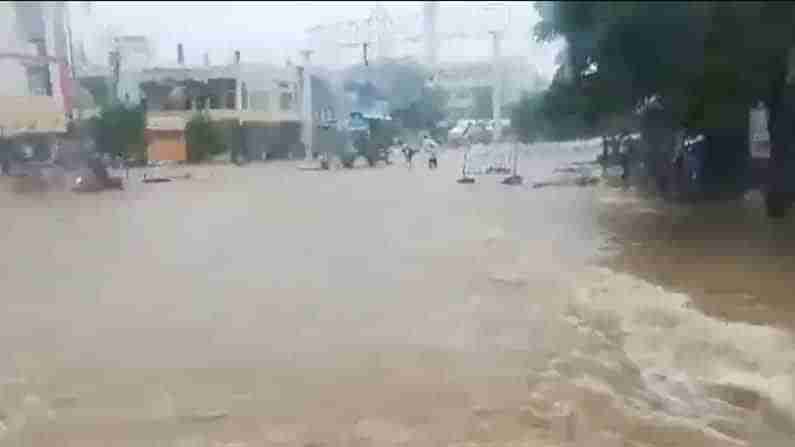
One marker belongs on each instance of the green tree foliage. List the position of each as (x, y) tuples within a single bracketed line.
[(119, 131), (482, 108), (702, 63), (528, 120), (401, 82), (382, 136), (405, 85), (560, 113), (202, 138), (426, 111)]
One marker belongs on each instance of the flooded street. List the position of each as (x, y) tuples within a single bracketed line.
[(265, 305)]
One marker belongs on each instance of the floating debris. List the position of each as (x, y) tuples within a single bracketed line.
[(65, 401), (156, 179), (208, 416), (513, 180)]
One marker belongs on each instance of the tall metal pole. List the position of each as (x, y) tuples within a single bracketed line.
[(430, 31), (115, 66), (68, 25), (496, 91), (238, 81), (306, 106)]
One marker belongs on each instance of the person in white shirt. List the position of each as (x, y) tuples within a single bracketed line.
[(430, 146)]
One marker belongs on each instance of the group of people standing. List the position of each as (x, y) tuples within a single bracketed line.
[(429, 146)]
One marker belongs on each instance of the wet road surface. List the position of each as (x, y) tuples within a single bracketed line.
[(265, 305)]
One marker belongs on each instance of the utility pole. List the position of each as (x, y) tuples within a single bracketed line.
[(69, 38), (306, 107), (430, 30), (115, 67), (496, 91), (238, 81)]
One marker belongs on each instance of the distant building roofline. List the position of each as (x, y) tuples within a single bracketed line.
[(133, 38)]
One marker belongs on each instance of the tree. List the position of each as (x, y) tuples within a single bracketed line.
[(562, 112), (382, 134), (702, 63), (405, 84), (202, 138), (426, 111), (482, 108), (119, 131), (526, 118)]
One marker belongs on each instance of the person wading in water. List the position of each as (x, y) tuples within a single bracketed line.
[(430, 146), (408, 152)]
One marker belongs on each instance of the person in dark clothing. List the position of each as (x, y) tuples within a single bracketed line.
[(408, 152), (626, 157), (5, 158), (99, 170), (624, 166)]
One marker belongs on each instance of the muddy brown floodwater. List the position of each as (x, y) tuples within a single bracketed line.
[(265, 305)]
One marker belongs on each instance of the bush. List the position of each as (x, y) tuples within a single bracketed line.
[(119, 131), (375, 148), (202, 138)]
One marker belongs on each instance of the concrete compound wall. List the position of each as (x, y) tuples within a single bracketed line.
[(271, 140)]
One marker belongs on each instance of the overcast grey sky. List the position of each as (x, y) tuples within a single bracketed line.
[(263, 31)]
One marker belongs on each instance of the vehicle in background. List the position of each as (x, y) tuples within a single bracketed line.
[(474, 131), (466, 131), (369, 137)]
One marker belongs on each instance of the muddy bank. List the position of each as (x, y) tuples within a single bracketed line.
[(728, 257)]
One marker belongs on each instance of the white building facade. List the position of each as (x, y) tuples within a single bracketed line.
[(34, 69)]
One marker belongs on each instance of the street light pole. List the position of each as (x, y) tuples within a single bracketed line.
[(306, 106), (115, 66), (496, 91)]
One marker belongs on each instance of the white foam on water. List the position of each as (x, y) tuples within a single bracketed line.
[(679, 355)]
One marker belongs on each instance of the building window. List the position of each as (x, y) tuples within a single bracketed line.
[(230, 99), (326, 114), (285, 100), (39, 81), (259, 101)]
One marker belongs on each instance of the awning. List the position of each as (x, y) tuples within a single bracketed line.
[(21, 115)]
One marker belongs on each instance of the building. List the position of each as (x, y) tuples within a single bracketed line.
[(34, 75), (166, 139), (255, 105)]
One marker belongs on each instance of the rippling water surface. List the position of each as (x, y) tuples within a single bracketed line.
[(268, 305)]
